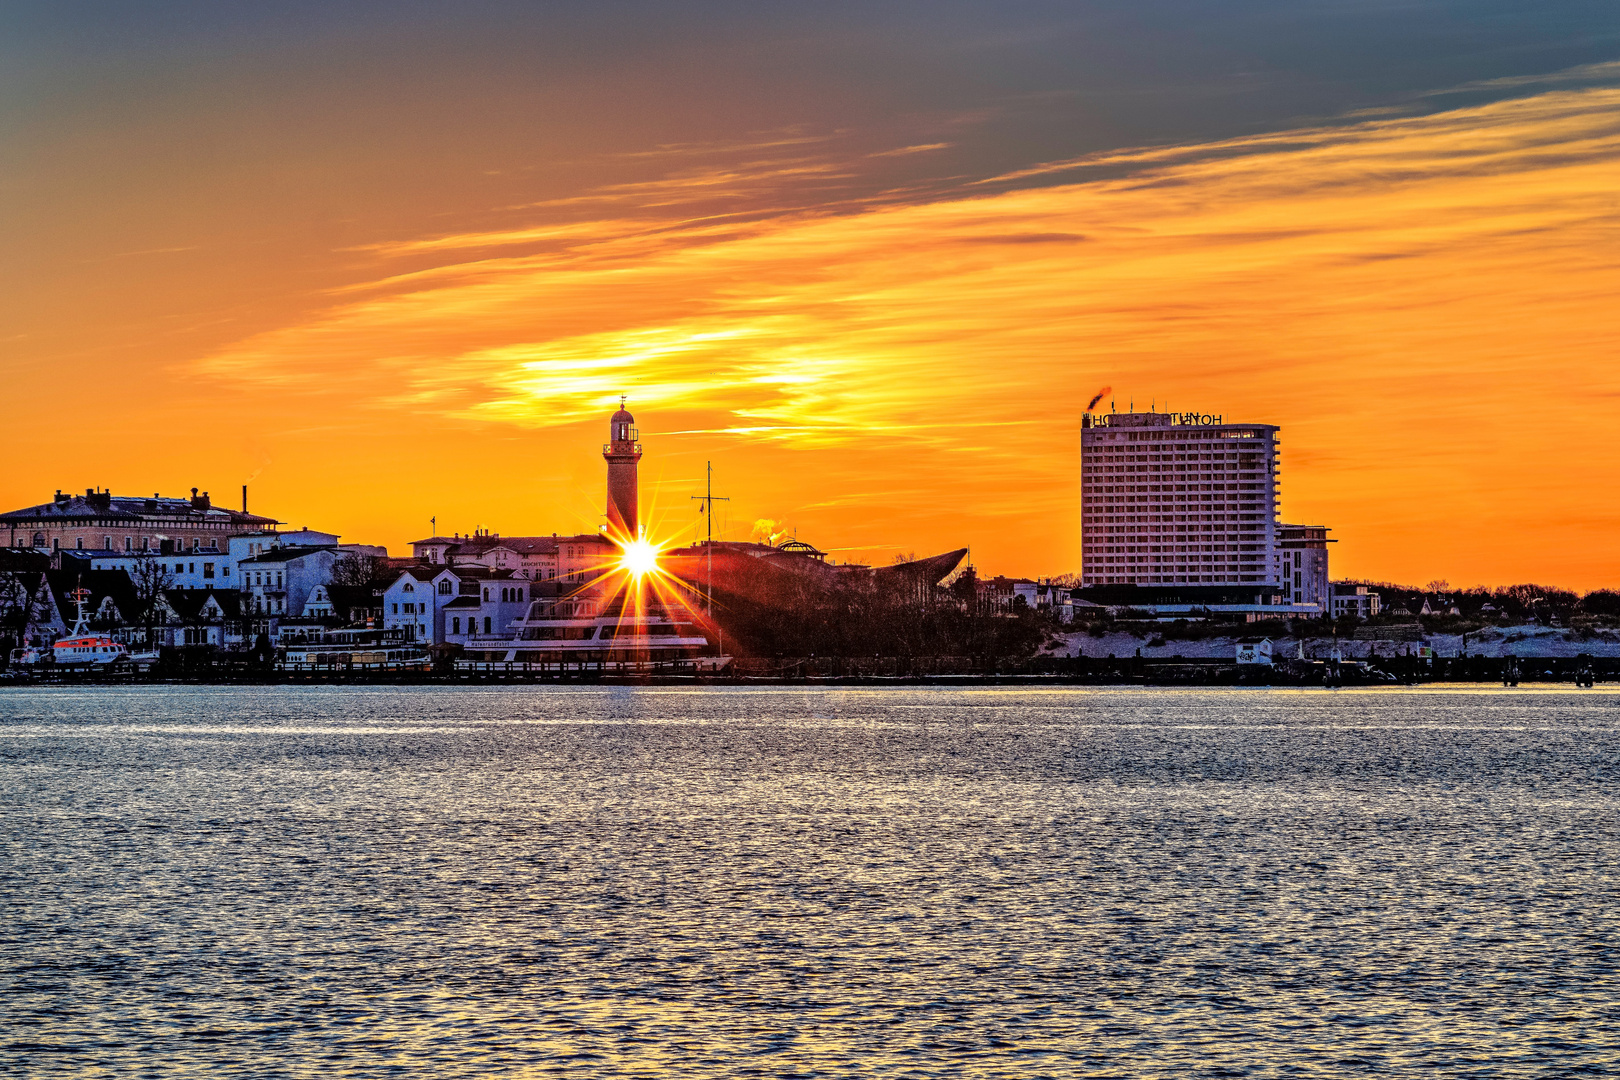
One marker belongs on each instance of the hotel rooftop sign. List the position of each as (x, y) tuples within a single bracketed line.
[(1152, 419)]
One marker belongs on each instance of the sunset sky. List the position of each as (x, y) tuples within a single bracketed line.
[(387, 262)]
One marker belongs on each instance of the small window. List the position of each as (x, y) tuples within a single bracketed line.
[(396, 609), (409, 587), (208, 569), (486, 624), (455, 626)]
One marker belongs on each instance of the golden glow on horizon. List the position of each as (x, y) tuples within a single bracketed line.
[(1406, 297)]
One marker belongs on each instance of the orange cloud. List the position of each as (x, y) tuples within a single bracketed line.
[(1425, 304)]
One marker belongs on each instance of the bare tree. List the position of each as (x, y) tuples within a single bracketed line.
[(151, 578), (365, 571)]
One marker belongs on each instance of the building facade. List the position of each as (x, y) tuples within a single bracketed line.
[(1354, 600), (535, 558), (278, 583), (203, 569), (103, 522), (1302, 564), (409, 605), (1177, 498), (475, 601)]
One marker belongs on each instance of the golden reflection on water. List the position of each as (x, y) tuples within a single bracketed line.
[(790, 881)]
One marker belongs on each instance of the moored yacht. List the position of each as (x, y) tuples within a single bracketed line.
[(621, 639), (313, 646)]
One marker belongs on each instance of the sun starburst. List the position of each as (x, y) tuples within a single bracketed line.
[(639, 558)]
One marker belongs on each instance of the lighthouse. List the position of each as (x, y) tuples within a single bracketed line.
[(622, 451)]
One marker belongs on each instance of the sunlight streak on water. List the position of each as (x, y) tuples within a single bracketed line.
[(788, 882)]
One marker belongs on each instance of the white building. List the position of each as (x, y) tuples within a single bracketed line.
[(1254, 651), (536, 558), (1351, 599), (409, 604), (278, 583), (1002, 595), (1177, 498), (204, 568), (250, 544), (1302, 563), (215, 567), (475, 601)]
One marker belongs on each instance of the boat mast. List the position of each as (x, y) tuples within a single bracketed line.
[(81, 625), (707, 499)]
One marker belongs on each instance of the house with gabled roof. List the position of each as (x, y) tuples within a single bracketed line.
[(195, 617), (28, 613), (409, 604), (477, 600)]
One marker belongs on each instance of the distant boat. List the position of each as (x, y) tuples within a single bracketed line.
[(82, 648)]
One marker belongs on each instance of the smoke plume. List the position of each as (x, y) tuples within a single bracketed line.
[(1092, 404)]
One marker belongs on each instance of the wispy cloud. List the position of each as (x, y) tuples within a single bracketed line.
[(1356, 278)]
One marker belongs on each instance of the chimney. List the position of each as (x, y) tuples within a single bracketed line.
[(244, 498)]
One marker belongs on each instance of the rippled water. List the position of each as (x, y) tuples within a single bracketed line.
[(820, 882)]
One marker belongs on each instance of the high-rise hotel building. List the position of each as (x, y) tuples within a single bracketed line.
[(1177, 499)]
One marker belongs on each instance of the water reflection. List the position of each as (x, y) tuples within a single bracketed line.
[(795, 882)]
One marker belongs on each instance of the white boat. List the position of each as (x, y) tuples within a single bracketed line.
[(314, 647), (81, 647), (615, 641)]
